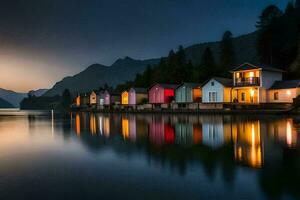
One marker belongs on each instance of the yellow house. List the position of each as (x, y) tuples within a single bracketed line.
[(251, 83), (124, 98)]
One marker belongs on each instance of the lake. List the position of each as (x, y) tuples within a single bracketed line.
[(132, 156)]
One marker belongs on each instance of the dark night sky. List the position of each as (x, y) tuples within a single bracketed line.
[(41, 41)]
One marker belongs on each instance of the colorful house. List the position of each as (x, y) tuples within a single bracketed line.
[(284, 91), (104, 98), (161, 93), (251, 82), (84, 99), (124, 98), (115, 98), (137, 96), (217, 90), (188, 93), (93, 98), (77, 100)]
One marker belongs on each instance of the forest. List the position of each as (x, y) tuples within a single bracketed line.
[(277, 45)]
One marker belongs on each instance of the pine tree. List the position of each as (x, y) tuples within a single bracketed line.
[(289, 8), (227, 57), (207, 67), (268, 15), (295, 67), (66, 99)]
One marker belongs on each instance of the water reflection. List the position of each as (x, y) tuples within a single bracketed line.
[(207, 157), (213, 142)]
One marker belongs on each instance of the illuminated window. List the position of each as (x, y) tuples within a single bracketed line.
[(237, 75), (251, 74), (276, 95)]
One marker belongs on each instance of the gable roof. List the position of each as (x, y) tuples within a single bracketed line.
[(139, 90), (249, 66), (285, 84), (227, 82), (165, 86), (191, 85)]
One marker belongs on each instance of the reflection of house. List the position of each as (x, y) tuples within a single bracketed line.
[(184, 133), (217, 90), (104, 125), (216, 130), (125, 128), (188, 93), (251, 82), (247, 143), (161, 93), (284, 91), (283, 131), (137, 96)]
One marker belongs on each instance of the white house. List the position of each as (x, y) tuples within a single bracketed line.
[(284, 91), (217, 90)]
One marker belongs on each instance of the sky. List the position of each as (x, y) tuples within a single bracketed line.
[(42, 41)]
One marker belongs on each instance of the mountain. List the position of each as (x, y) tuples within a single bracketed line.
[(125, 69), (245, 49), (38, 92), (5, 104), (12, 97), (97, 75)]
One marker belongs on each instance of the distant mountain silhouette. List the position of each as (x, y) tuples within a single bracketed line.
[(5, 104), (38, 92), (125, 69), (12, 97), (97, 75)]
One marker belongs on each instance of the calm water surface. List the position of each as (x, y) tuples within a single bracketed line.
[(103, 156)]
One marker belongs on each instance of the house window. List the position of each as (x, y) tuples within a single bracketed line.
[(276, 95), (243, 97), (212, 96), (212, 83)]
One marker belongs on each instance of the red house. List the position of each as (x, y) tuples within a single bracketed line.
[(161, 93)]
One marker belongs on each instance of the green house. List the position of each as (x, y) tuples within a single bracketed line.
[(188, 93)]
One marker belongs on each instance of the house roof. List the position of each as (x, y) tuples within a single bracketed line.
[(139, 90), (285, 84), (249, 66), (227, 82), (191, 85), (165, 86)]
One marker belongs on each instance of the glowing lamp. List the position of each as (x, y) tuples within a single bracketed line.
[(288, 92)]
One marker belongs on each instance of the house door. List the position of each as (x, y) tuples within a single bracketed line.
[(212, 97)]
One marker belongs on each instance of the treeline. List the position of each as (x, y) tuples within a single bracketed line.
[(175, 68), (278, 45), (278, 42), (57, 102)]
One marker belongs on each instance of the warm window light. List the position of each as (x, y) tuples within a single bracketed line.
[(251, 92), (251, 74), (288, 92), (237, 75)]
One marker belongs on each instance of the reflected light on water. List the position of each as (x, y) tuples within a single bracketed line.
[(289, 137), (125, 128), (77, 124)]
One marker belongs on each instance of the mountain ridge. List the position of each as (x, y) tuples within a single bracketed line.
[(125, 69)]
